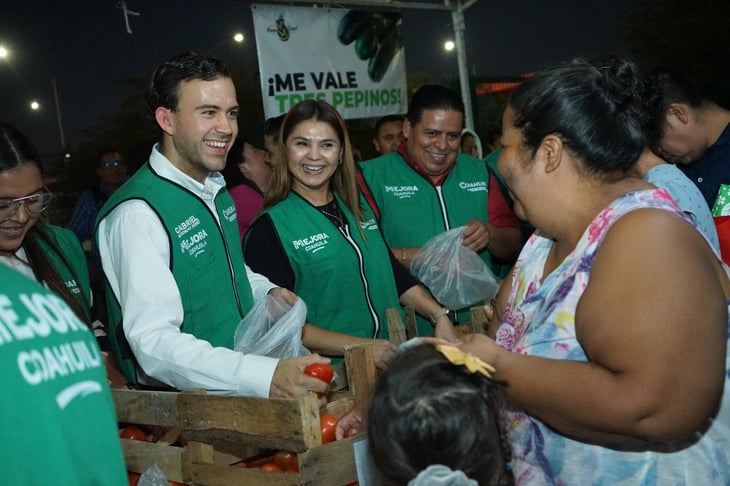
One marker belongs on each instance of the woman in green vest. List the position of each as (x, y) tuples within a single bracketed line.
[(50, 255), (315, 238), (47, 254)]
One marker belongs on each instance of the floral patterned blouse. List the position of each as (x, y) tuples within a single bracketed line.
[(540, 320)]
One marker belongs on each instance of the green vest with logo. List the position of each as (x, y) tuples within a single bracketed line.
[(345, 279), (205, 259), (412, 210), (57, 418), (71, 264)]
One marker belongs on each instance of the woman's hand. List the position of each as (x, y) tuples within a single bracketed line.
[(353, 422), (383, 351)]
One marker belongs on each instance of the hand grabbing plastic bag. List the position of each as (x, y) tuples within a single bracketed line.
[(272, 328), (456, 275)]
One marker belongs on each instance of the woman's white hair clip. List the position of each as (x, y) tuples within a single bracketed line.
[(440, 475)]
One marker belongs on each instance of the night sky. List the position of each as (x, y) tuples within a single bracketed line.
[(84, 46)]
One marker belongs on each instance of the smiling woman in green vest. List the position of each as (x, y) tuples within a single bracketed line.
[(316, 239), (45, 253)]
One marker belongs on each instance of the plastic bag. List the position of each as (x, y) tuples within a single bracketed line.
[(153, 476), (456, 275), (272, 328)]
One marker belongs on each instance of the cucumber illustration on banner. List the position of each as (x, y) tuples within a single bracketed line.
[(377, 37)]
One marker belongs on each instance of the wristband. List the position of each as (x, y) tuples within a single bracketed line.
[(403, 256), (438, 315)]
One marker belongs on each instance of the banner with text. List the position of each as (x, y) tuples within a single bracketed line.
[(353, 59)]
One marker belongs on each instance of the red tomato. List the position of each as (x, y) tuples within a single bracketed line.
[(322, 372), (133, 478), (270, 466), (287, 460), (133, 432), (327, 424)]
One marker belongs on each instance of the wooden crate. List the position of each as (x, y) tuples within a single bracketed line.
[(221, 431)]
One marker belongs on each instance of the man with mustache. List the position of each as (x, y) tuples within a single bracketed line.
[(428, 187)]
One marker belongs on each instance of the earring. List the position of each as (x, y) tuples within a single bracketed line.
[(340, 162)]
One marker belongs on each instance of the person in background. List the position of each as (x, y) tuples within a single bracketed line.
[(687, 195), (428, 187), (388, 134), (57, 418), (687, 129), (470, 143), (315, 238), (112, 172), (271, 135), (614, 285), (174, 324), (434, 418), (247, 174)]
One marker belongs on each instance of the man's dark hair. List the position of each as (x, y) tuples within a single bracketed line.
[(164, 85), (663, 86), (433, 97), (386, 119), (273, 125)]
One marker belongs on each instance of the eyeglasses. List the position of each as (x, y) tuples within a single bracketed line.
[(112, 163), (34, 204)]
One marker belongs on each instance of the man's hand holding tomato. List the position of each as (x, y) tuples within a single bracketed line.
[(290, 380)]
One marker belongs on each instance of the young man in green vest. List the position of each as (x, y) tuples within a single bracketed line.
[(170, 249), (428, 187), (57, 419)]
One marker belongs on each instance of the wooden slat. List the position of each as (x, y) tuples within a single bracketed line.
[(411, 324), (330, 465), (396, 330), (140, 455), (282, 424), (479, 321), (146, 407), (360, 364)]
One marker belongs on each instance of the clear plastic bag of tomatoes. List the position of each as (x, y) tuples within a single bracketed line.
[(456, 275), (272, 328)]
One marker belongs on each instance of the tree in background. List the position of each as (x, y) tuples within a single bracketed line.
[(690, 36)]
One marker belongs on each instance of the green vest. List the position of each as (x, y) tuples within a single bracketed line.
[(57, 418), (205, 259), (412, 210), (71, 267), (346, 280)]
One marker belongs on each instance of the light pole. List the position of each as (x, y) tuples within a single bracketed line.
[(58, 114)]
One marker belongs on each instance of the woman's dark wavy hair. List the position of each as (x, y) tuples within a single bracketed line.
[(186, 66), (595, 107), (427, 411), (16, 150)]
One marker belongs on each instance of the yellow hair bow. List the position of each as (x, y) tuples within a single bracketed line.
[(458, 357)]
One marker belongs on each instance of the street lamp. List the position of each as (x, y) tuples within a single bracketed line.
[(449, 45), (4, 53), (239, 37), (35, 106)]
